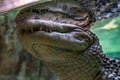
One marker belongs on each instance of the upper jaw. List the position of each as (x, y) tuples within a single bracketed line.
[(34, 18), (31, 25)]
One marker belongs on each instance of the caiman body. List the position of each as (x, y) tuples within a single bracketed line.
[(56, 32)]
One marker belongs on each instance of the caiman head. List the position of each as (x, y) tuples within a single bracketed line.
[(57, 24), (56, 32)]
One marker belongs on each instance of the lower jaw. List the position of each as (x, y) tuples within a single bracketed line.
[(50, 53), (56, 42)]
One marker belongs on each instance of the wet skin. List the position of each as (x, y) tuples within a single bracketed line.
[(54, 33)]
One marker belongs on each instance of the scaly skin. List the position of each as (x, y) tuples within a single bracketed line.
[(54, 33)]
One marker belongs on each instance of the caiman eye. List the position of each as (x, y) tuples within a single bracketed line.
[(78, 14)]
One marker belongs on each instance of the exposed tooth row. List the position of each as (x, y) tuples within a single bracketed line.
[(37, 29), (39, 10), (43, 10)]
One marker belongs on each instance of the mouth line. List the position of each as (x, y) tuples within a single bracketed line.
[(35, 25)]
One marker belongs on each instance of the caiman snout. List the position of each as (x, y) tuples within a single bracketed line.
[(53, 33), (54, 25)]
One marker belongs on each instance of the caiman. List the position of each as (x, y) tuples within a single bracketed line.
[(57, 32)]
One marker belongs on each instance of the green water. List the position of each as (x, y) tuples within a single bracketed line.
[(114, 54), (109, 38)]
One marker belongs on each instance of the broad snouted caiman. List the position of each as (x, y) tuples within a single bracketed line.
[(57, 32)]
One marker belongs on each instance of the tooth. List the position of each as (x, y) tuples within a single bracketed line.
[(46, 10), (41, 28), (47, 30), (50, 30), (39, 11)]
